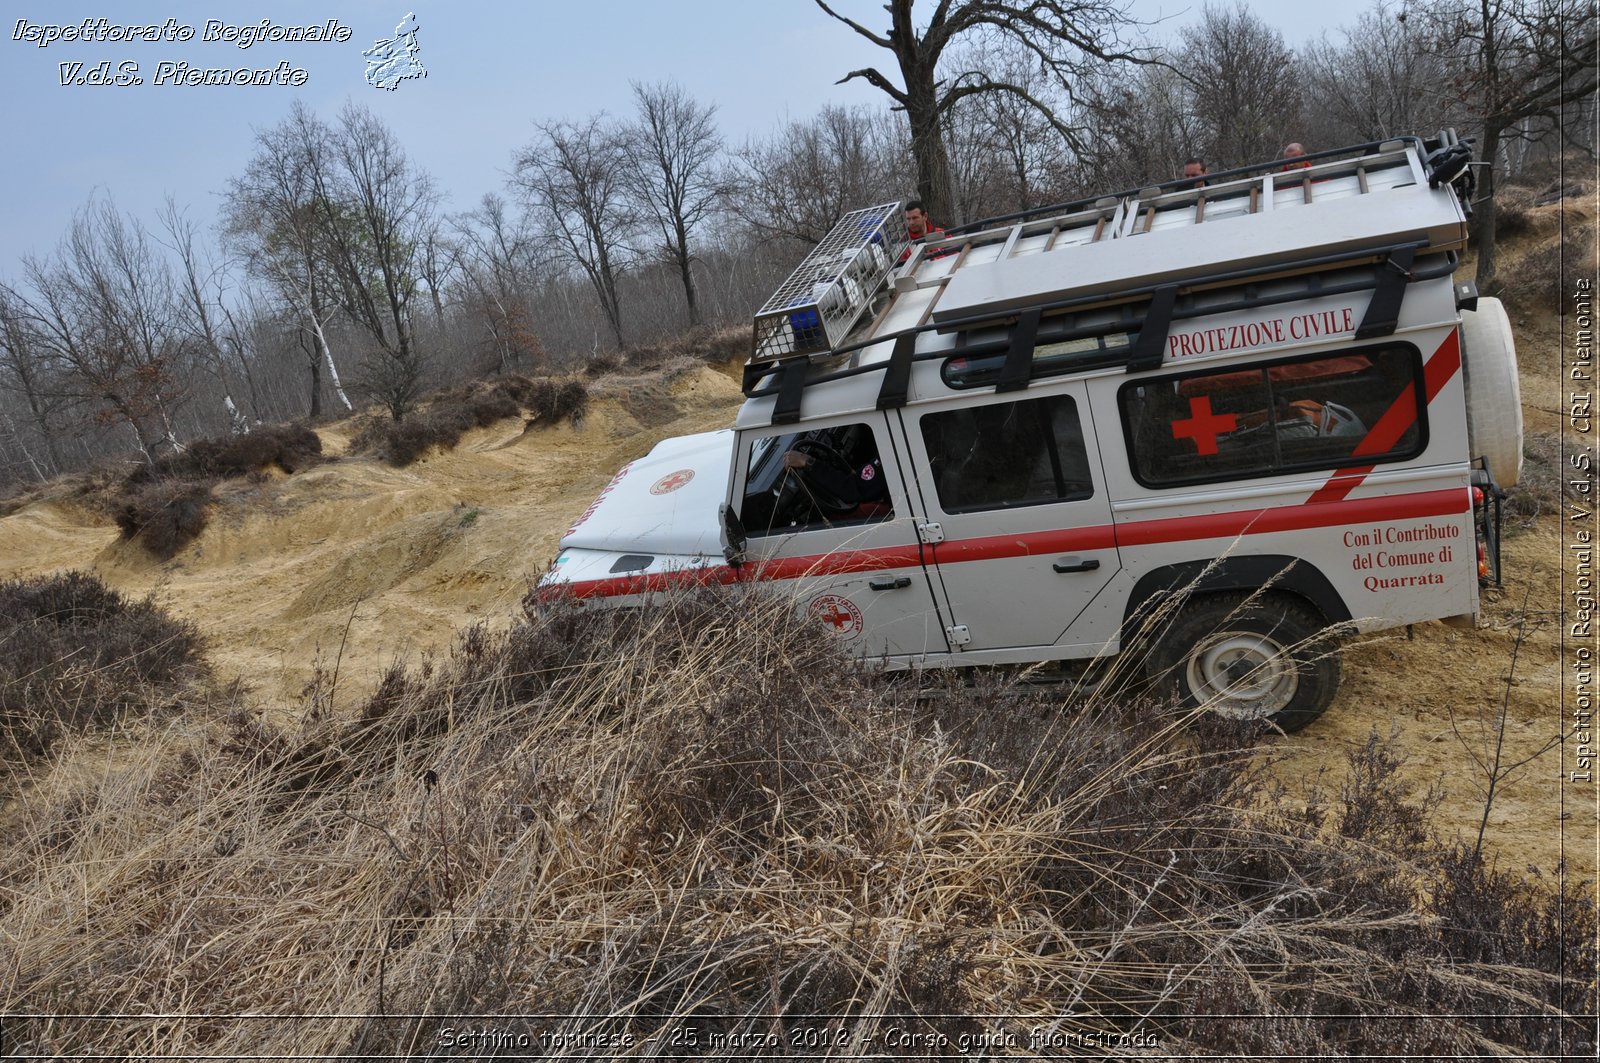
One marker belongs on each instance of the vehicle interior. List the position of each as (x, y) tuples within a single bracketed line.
[(779, 499)]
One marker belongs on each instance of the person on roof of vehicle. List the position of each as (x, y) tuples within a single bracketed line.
[(920, 228), (1195, 168), (1295, 158)]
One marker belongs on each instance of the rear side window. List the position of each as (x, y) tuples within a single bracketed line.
[(1363, 407), (1007, 454)]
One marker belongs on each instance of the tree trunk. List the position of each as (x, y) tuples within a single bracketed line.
[(927, 147), (314, 364), (690, 297), (333, 370), (1483, 219)]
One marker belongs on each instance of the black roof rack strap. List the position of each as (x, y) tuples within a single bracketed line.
[(897, 375), (1383, 313), (1017, 371), (1151, 346), (791, 385)]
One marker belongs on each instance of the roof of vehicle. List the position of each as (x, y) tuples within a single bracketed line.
[(1129, 263)]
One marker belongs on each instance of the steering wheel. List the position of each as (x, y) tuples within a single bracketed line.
[(825, 500)]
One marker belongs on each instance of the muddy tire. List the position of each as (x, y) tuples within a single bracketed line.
[(1262, 657), (1494, 398)]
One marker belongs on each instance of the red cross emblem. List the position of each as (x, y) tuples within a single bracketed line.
[(839, 613), (671, 481), (1203, 426)]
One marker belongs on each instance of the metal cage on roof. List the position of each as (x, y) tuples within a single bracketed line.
[(821, 301)]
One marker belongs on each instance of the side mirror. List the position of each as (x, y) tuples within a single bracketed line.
[(734, 539)]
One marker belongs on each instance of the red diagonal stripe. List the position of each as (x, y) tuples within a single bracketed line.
[(1395, 422)]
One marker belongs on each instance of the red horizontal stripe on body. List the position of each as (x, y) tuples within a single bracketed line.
[(1294, 518), (1057, 541), (1304, 517)]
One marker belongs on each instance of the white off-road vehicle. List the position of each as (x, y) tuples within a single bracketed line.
[(1263, 401)]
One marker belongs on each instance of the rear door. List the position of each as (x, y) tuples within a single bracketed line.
[(1016, 489)]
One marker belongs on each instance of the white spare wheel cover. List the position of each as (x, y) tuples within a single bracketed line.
[(1494, 398)]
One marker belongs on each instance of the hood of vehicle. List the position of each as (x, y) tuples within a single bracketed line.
[(667, 502)]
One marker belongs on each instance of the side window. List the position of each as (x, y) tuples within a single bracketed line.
[(1007, 454), (1308, 414), (822, 478)]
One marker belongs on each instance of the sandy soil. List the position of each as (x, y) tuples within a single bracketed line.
[(357, 564)]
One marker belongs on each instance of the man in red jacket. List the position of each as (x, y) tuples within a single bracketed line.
[(919, 227)]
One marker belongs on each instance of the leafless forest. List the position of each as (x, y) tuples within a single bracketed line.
[(332, 278)]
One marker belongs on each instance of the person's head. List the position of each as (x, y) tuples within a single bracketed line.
[(917, 224), (1194, 168), (1294, 151)]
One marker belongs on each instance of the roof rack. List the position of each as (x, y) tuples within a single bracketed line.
[(1372, 203), (821, 301)]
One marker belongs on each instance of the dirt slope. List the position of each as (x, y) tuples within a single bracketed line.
[(358, 564)]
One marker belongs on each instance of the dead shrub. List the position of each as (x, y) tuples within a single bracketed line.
[(1554, 472), (164, 516), (75, 654), (554, 400), (450, 415), (604, 365), (1513, 212), (165, 505), (1543, 280), (290, 447)]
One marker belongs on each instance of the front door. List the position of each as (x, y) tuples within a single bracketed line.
[(828, 518), (1016, 490)]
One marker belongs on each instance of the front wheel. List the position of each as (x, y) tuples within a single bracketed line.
[(1260, 657)]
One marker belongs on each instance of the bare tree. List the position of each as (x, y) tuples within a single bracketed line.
[(798, 183), (106, 306), (1243, 86), (376, 213), (1141, 129), (270, 210), (29, 370), (673, 145), (1005, 155), (201, 287), (575, 176), (1381, 82), (1066, 38), (498, 256), (1516, 64)]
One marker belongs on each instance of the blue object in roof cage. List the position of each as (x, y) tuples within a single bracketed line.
[(807, 326)]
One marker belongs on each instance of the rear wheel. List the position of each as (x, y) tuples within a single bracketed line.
[(1259, 657)]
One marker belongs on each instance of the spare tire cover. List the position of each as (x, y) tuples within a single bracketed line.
[(1494, 398)]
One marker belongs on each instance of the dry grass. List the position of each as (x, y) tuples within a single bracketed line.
[(702, 816), (1555, 472)]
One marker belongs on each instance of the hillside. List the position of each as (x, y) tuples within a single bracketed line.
[(353, 565)]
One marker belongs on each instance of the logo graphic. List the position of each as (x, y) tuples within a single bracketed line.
[(671, 481), (838, 613), (395, 60), (868, 472), (1203, 426)]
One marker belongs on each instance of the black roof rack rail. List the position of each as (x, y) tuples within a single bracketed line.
[(789, 372)]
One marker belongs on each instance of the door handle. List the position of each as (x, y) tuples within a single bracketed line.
[(889, 583), (1076, 566)]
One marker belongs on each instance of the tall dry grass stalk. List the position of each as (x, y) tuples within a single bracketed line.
[(598, 832)]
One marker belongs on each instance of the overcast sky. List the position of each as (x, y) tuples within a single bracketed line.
[(490, 77)]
